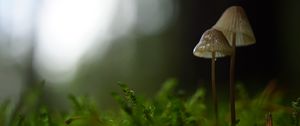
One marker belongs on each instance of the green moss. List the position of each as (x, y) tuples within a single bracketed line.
[(168, 108)]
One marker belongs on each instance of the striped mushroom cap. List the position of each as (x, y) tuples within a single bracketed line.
[(212, 40), (234, 20)]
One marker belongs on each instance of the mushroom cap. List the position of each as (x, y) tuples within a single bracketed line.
[(211, 41), (234, 20)]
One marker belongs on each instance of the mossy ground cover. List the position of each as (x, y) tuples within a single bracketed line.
[(168, 107)]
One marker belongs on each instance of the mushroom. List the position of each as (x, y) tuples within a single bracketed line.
[(235, 26), (213, 44)]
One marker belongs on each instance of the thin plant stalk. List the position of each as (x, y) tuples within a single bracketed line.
[(213, 84), (269, 120), (232, 82)]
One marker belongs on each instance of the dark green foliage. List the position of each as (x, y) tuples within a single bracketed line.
[(296, 112), (3, 112), (169, 107)]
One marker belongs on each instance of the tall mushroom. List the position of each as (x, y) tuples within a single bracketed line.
[(235, 26), (213, 44)]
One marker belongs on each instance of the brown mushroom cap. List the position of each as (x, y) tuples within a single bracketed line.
[(234, 20), (211, 41)]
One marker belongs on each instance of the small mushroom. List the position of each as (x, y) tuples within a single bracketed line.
[(234, 21), (235, 26), (213, 44)]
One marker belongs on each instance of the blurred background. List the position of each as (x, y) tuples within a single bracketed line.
[(87, 46)]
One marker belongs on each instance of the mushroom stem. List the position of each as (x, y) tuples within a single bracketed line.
[(213, 84), (232, 82)]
